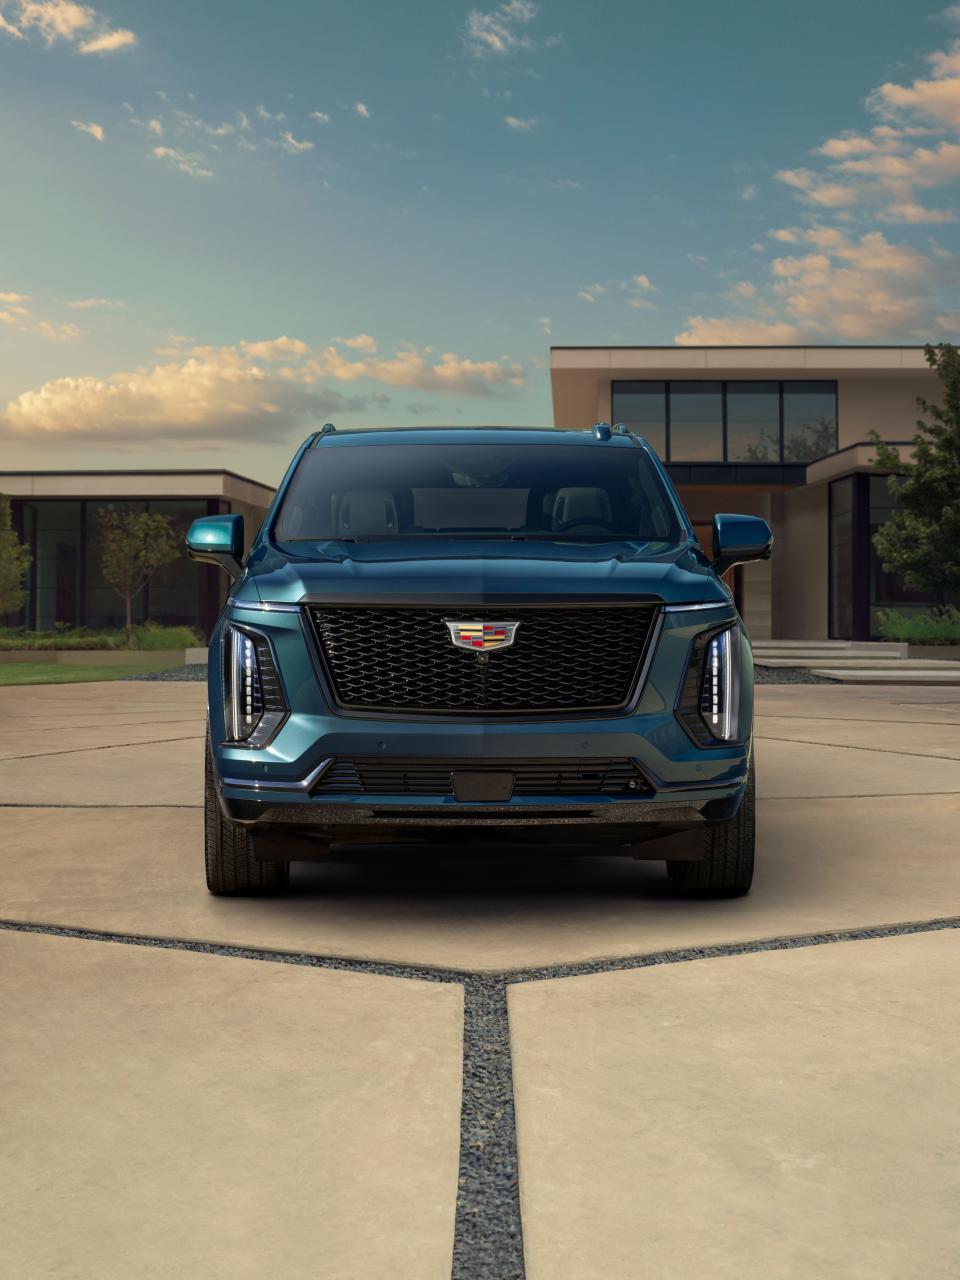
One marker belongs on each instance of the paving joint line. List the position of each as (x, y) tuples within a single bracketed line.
[(488, 1228), (109, 746), (850, 746)]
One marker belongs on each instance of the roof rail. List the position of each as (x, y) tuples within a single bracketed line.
[(326, 429), (622, 429), (601, 430)]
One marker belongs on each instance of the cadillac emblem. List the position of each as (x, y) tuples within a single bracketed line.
[(482, 636)]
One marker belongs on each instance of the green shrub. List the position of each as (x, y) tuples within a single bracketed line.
[(149, 637), (938, 626)]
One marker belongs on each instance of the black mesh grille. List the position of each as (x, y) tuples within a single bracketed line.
[(562, 777), (562, 659)]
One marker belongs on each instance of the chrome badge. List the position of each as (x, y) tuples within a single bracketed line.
[(482, 636)]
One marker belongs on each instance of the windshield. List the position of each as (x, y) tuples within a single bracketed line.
[(477, 491)]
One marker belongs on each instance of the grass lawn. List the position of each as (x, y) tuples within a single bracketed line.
[(70, 673)]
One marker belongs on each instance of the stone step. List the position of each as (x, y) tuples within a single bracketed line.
[(888, 675), (881, 663)]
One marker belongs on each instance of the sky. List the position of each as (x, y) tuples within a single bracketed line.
[(222, 224)]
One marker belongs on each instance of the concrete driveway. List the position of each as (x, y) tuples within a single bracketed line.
[(325, 1084)]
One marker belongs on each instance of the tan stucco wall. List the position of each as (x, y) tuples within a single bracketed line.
[(886, 405), (801, 566)]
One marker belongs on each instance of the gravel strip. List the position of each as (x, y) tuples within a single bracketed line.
[(194, 671), (778, 675), (488, 1237)]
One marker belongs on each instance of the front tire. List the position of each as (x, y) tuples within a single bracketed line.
[(726, 868), (232, 870)]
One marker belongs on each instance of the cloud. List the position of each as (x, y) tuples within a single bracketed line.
[(748, 192), (362, 342), (251, 390), (701, 331), (294, 145), (362, 109), (94, 130), (592, 292), (14, 298), (936, 99), (637, 288), (500, 32), (546, 328), (109, 42), (522, 124), (857, 288), (88, 304), (58, 332), (264, 114), (186, 162), (321, 117), (65, 20)]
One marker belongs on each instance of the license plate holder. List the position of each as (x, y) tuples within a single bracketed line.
[(482, 786)]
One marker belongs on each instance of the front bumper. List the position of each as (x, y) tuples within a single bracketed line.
[(687, 784)]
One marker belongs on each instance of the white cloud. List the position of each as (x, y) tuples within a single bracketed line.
[(76, 24), (88, 304), (321, 117), (244, 121), (641, 282), (294, 145), (362, 342), (546, 328), (252, 389), (748, 192), (499, 32), (14, 298), (362, 109), (264, 114), (109, 42), (592, 292), (522, 124), (154, 126), (185, 161), (94, 130)]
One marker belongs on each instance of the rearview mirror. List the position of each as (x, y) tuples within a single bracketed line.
[(737, 539), (218, 540)]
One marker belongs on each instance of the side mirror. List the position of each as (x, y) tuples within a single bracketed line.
[(218, 540), (737, 539)]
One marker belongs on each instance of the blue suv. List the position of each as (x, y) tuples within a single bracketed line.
[(441, 633)]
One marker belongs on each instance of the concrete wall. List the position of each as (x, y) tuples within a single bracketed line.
[(801, 566)]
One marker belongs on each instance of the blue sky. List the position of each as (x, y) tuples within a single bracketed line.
[(224, 223)]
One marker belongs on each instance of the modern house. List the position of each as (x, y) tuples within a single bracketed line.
[(779, 432), (55, 514)]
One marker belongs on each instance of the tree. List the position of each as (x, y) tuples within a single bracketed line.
[(14, 562), (134, 545), (921, 540)]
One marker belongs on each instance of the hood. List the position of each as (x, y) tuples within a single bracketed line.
[(420, 570)]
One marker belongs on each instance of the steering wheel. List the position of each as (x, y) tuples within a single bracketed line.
[(578, 521)]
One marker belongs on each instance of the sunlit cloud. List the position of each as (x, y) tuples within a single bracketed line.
[(294, 145), (94, 130), (74, 24), (503, 31), (362, 109), (89, 304), (251, 390), (187, 162), (522, 124), (321, 117)]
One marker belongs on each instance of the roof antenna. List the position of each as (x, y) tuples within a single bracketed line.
[(601, 430)]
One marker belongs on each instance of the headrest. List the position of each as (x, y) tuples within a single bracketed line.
[(580, 503), (365, 512)]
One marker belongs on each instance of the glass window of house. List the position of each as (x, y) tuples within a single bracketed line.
[(753, 422), (643, 407), (696, 422), (809, 420)]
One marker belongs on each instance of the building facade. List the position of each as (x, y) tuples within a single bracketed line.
[(779, 432), (55, 514)]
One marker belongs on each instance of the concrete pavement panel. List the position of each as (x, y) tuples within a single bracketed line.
[(173, 1114), (833, 864), (168, 771), (784, 1114)]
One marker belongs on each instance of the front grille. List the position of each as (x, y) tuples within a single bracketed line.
[(563, 659), (560, 777)]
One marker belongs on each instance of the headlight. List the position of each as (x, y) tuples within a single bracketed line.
[(709, 703), (254, 705)]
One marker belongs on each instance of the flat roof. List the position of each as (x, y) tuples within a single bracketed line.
[(828, 359), (156, 483)]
